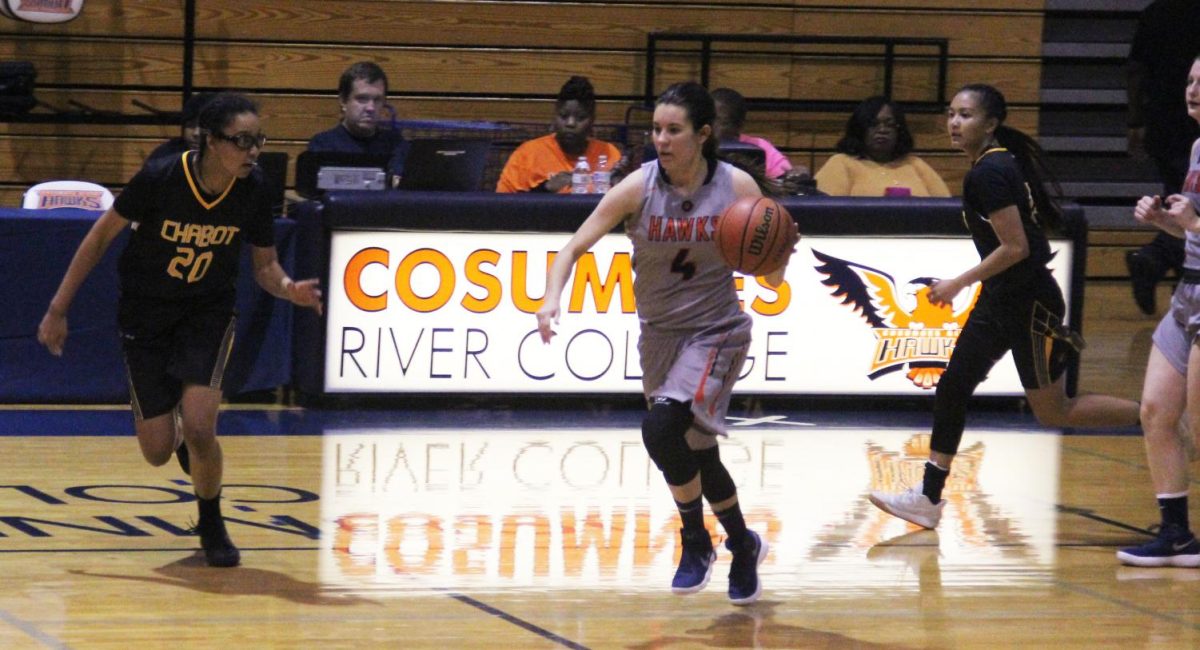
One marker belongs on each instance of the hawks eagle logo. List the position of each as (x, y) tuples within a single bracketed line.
[(911, 332)]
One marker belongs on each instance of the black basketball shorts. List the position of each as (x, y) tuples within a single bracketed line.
[(169, 344), (1030, 325)]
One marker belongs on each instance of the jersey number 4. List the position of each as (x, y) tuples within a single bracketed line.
[(187, 259), (682, 265)]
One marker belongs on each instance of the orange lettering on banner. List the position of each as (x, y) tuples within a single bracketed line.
[(520, 277), (783, 298), (445, 286), (353, 279), (486, 281), (587, 275)]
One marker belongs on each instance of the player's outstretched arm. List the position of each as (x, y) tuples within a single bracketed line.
[(617, 204), (275, 281), (52, 331)]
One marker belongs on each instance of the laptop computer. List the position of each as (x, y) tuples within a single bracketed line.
[(447, 165), (318, 171)]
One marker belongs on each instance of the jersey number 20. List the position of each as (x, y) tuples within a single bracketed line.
[(196, 265)]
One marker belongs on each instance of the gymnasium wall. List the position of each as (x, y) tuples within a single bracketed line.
[(484, 60)]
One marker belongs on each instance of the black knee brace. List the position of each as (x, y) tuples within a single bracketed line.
[(715, 481), (663, 433)]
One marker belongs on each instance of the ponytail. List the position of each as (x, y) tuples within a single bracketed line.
[(1030, 156)]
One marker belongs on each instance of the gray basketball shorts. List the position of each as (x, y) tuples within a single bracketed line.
[(698, 367), (1176, 332)]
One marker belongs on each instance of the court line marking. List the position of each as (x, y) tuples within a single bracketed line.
[(765, 419), (505, 616), (32, 631), (1084, 591), (1091, 514)]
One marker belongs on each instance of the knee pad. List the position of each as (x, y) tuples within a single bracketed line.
[(715, 481), (664, 433)]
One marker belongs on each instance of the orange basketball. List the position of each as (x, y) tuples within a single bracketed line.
[(753, 235)]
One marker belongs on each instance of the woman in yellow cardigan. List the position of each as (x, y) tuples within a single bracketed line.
[(875, 157)]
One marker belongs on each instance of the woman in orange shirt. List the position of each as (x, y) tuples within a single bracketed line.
[(544, 164)]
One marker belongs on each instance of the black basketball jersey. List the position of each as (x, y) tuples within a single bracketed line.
[(186, 243), (994, 183)]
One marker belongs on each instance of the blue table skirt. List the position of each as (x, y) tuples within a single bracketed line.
[(36, 246)]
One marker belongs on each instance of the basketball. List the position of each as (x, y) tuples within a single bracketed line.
[(753, 235)]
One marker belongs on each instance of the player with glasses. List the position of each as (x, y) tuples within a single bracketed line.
[(188, 215), (244, 141)]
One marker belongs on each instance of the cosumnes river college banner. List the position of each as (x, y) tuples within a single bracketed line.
[(454, 312)]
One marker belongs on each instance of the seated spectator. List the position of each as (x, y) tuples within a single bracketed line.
[(362, 93), (731, 117), (875, 158), (189, 128), (544, 164)]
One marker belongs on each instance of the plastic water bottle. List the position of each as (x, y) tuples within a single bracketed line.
[(602, 177), (581, 177)]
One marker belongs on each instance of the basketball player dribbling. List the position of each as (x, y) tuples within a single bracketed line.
[(189, 214), (1020, 307), (694, 336)]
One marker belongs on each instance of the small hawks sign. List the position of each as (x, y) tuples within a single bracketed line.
[(41, 11), (915, 335), (82, 199)]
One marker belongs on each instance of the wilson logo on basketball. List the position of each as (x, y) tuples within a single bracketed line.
[(910, 331), (761, 231)]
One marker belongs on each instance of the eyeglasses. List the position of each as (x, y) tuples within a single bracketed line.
[(243, 141)]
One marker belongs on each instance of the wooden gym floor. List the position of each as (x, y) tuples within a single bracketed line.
[(547, 529)]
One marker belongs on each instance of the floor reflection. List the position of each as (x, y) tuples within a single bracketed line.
[(577, 507)]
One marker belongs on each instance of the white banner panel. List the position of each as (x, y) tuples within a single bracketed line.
[(453, 312)]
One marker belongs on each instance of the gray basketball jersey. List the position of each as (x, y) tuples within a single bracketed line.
[(1191, 188), (680, 280)]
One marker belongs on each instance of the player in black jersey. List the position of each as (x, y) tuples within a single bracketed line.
[(189, 214), (1020, 307)]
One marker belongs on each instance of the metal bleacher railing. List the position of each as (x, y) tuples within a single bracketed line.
[(797, 47)]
